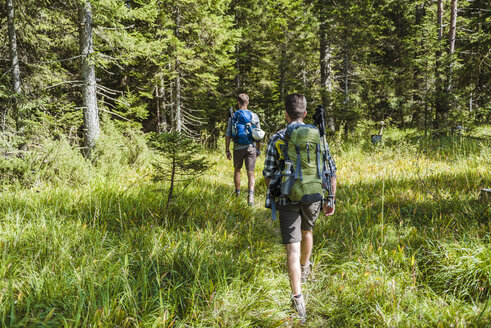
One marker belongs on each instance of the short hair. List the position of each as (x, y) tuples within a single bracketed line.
[(295, 105), (243, 99)]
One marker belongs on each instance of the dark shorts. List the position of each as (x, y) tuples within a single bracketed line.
[(247, 156), (295, 218)]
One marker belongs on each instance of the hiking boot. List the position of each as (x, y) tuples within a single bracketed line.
[(237, 193), (250, 200), (306, 270), (298, 303)]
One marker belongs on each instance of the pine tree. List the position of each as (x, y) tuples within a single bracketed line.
[(183, 164)]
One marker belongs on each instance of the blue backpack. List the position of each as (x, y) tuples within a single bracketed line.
[(242, 127)]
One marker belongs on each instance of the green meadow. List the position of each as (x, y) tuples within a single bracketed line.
[(94, 244)]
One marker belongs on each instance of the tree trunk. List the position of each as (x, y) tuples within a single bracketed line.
[(163, 115), (172, 112), (14, 64), (440, 19), (89, 89), (237, 69), (346, 75), (178, 118), (237, 48), (451, 39), (161, 119), (283, 68), (326, 70), (172, 178), (346, 90), (440, 97), (158, 111)]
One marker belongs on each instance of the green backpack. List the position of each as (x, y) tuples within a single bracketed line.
[(302, 155)]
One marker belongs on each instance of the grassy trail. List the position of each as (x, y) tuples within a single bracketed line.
[(409, 246)]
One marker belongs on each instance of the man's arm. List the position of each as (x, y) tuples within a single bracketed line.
[(333, 186), (228, 135), (227, 147)]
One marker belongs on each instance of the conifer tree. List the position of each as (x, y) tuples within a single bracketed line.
[(183, 161)]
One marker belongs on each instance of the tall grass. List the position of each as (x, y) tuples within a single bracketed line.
[(409, 246)]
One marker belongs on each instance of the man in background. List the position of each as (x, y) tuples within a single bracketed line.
[(245, 148)]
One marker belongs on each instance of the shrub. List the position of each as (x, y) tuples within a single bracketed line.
[(116, 149)]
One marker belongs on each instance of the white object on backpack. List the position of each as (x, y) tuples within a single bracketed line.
[(257, 134)]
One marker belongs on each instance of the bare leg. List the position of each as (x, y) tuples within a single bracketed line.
[(306, 246), (293, 267), (237, 179), (252, 180)]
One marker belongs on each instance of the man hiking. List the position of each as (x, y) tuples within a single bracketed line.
[(246, 147), (297, 169)]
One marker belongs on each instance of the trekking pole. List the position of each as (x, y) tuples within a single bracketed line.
[(320, 123)]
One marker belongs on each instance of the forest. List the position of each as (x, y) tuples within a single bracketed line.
[(97, 97), (177, 65)]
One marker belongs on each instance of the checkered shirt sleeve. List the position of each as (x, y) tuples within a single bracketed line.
[(271, 163)]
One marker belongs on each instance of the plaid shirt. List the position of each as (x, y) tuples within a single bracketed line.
[(272, 163)]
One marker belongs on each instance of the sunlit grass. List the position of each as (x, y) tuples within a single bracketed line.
[(409, 246)]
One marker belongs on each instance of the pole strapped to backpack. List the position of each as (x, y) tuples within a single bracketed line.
[(273, 209)]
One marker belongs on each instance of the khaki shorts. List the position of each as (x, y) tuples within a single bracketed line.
[(297, 217), (247, 155)]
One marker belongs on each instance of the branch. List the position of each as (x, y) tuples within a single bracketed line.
[(113, 60), (105, 70), (189, 132), (54, 61), (116, 28), (65, 82), (6, 72), (97, 31), (192, 120), (113, 99), (108, 90), (115, 114), (191, 110)]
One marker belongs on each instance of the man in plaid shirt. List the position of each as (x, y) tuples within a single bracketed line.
[(296, 219)]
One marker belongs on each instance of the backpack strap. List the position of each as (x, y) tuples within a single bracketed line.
[(235, 119), (308, 152), (249, 128), (298, 166)]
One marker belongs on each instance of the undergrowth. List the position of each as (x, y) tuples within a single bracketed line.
[(93, 243)]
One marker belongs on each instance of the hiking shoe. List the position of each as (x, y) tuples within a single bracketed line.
[(250, 200), (306, 270), (298, 303), (237, 193)]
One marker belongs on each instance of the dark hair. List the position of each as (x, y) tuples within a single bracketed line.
[(295, 105), (243, 99)]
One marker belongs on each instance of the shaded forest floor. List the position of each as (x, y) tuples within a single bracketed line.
[(409, 245)]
